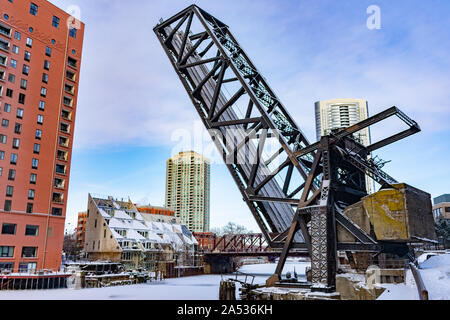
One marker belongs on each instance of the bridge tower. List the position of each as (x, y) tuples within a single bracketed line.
[(295, 190)]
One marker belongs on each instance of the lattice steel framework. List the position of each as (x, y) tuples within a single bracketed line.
[(290, 186)]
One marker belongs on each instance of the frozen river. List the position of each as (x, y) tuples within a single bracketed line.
[(204, 287)]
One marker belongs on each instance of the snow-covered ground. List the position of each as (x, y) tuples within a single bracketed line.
[(204, 287), (435, 273)]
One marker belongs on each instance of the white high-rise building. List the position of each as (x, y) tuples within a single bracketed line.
[(188, 188), (342, 113)]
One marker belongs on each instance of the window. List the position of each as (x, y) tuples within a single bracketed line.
[(38, 134), (29, 42), (9, 93), (19, 113), (25, 69), (13, 63), (37, 148), (73, 32), (57, 212), (48, 51), (5, 123), (22, 98), (70, 75), (16, 143), (59, 183), (3, 60), (9, 191), (64, 127), (17, 35), (7, 206), (40, 119), (55, 22), (5, 30), (72, 62), (11, 78), (32, 230), (6, 252), (7, 107), (15, 49), (27, 267), (66, 114), (33, 9), (2, 138), (29, 208), (12, 174), (9, 228), (27, 56), (67, 101), (62, 155), (63, 141), (18, 128), (23, 84), (2, 157), (4, 45), (33, 178), (47, 65), (13, 158), (45, 78), (43, 91), (68, 88), (60, 168), (57, 197), (30, 194), (35, 163), (29, 252), (41, 105)]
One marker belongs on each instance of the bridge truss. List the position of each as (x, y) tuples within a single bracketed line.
[(293, 189)]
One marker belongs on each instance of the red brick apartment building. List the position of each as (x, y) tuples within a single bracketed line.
[(40, 57)]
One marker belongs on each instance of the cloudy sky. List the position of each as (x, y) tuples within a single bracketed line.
[(131, 103)]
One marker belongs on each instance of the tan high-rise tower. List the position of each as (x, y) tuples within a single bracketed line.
[(342, 113), (187, 189)]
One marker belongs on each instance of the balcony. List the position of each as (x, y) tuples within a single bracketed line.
[(5, 30), (72, 63), (63, 141), (60, 169), (59, 183), (4, 45), (67, 115), (62, 155), (58, 197)]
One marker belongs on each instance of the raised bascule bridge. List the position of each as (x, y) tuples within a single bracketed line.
[(303, 196)]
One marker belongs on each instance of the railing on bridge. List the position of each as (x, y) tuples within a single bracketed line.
[(232, 243)]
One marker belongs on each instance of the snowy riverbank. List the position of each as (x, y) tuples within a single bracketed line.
[(435, 272)]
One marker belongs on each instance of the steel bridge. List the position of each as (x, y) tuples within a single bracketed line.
[(293, 188), (248, 244)]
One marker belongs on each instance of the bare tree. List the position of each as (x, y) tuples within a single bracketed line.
[(230, 228)]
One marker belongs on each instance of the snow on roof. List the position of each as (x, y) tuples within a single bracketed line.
[(138, 225), (116, 235), (116, 205), (116, 223), (190, 240), (133, 234), (120, 214), (104, 213), (139, 216)]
